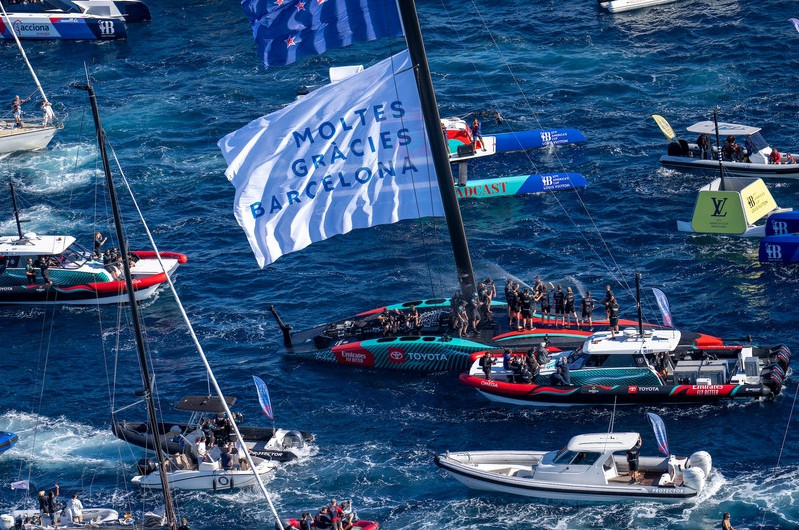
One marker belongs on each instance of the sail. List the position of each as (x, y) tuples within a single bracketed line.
[(263, 396), (663, 305), (286, 30), (660, 432), (352, 154)]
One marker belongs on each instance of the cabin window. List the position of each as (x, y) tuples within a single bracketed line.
[(596, 360), (622, 361), (564, 456), (408, 339), (585, 459), (609, 463)]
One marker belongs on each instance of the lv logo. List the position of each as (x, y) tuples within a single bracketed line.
[(718, 205)]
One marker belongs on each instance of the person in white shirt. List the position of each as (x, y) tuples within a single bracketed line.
[(76, 507)]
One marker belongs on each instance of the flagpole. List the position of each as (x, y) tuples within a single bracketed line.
[(446, 184)]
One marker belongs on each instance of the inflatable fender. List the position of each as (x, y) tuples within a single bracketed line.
[(694, 478), (700, 460)]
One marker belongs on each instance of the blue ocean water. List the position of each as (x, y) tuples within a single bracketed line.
[(189, 77)]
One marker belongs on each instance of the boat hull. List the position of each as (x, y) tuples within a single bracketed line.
[(63, 26), (619, 6), (508, 472), (28, 138), (740, 169), (206, 479), (7, 440), (520, 185)]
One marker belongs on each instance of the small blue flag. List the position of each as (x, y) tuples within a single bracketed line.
[(795, 23), (287, 30), (263, 396), (663, 304), (660, 432)]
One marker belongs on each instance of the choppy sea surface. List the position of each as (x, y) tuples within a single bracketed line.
[(184, 80)]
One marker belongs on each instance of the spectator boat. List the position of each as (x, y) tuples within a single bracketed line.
[(618, 6), (589, 468), (753, 158), (61, 20)]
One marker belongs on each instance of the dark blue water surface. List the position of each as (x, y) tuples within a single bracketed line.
[(189, 77)]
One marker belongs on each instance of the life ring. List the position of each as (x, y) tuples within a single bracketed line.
[(223, 481)]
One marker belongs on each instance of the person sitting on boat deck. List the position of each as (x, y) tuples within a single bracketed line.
[(569, 309), (347, 515), (731, 151), (725, 522), (586, 308), (44, 263), (305, 521), (30, 272), (322, 519), (661, 364), (486, 361), (613, 317), (632, 460), (542, 354), (775, 157), (16, 107), (383, 320), (76, 508), (214, 451), (556, 378), (703, 142), (109, 262), (99, 241), (518, 369), (201, 450), (477, 134)]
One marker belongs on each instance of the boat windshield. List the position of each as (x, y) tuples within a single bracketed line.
[(73, 257), (755, 143), (615, 361), (575, 458)]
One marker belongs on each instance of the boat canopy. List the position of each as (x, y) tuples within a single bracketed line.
[(628, 342), (204, 403), (725, 129), (603, 442), (33, 245)]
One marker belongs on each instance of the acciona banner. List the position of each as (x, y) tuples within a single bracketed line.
[(352, 154)]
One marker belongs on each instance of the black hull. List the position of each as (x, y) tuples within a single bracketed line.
[(256, 438)]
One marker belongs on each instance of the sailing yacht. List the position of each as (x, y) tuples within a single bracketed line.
[(18, 135)]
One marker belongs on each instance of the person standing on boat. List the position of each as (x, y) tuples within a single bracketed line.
[(76, 508), (99, 241), (526, 302), (477, 134), (335, 514), (509, 301), (44, 269), (52, 506), (560, 306), (486, 361), (16, 107), (703, 142), (586, 308), (461, 320), (546, 317), (30, 272), (632, 460), (570, 311), (613, 317)]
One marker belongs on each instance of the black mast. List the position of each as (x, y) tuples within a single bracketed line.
[(638, 303), (446, 184), (169, 510), (16, 212)]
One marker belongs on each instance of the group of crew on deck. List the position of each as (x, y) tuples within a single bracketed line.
[(524, 369), (217, 442), (731, 151)]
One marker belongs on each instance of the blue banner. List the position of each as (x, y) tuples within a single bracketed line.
[(263, 396), (663, 304), (287, 30), (660, 432)]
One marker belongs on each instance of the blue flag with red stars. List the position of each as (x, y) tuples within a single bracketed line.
[(287, 30), (263, 396)]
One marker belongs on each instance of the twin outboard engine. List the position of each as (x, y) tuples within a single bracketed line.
[(697, 470), (293, 439)]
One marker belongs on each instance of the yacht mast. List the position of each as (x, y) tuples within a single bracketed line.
[(169, 510)]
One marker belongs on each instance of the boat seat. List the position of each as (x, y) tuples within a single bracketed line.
[(209, 466), (665, 480)]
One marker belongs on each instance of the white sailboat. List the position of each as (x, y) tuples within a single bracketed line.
[(27, 136)]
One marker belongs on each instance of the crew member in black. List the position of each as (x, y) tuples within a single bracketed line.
[(560, 306), (569, 309), (30, 272), (412, 319), (608, 297), (613, 317), (486, 361), (44, 269), (632, 460), (586, 308)]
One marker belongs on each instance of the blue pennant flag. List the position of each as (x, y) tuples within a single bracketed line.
[(287, 30), (660, 432), (263, 396), (663, 304), (795, 23)]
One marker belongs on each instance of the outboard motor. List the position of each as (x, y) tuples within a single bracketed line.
[(293, 439), (146, 466), (694, 478), (772, 378), (700, 460), (782, 356)]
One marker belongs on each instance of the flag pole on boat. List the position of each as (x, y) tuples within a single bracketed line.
[(432, 120), (718, 146)]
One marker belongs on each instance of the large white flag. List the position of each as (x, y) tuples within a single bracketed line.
[(351, 154)]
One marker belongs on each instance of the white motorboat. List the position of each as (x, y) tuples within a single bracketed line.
[(590, 468), (755, 158), (617, 6), (185, 475), (92, 517)]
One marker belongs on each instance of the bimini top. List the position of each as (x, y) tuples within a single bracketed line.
[(606, 442), (204, 403), (725, 129), (33, 245)]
